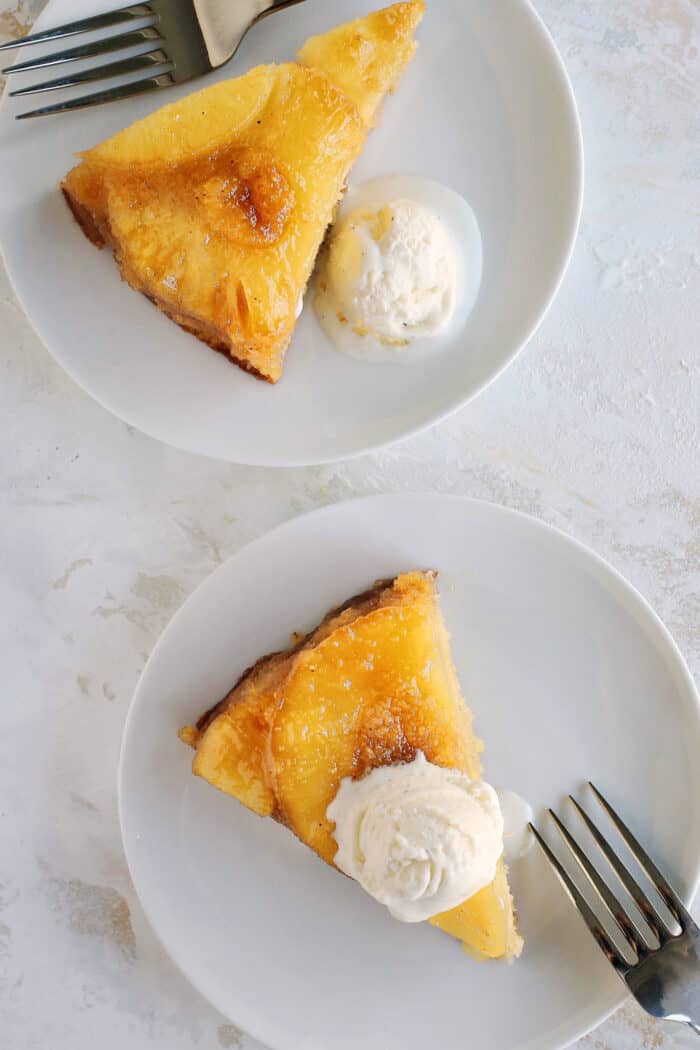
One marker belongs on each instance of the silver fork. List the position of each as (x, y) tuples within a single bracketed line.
[(664, 976), (179, 40)]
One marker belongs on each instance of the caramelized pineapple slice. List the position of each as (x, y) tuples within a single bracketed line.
[(216, 205), (485, 923), (366, 57), (199, 124), (225, 237), (372, 685), (231, 739), (175, 131), (230, 754), (371, 694)]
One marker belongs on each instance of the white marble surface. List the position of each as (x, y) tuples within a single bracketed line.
[(105, 532)]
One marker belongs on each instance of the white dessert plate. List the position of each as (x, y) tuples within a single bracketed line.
[(485, 107), (570, 676)]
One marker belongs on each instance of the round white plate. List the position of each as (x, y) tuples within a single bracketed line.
[(570, 676), (485, 107)]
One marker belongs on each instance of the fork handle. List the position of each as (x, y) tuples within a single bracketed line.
[(223, 24)]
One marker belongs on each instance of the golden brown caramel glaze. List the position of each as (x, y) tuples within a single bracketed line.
[(389, 635), (243, 194), (224, 238), (367, 57), (216, 205), (359, 603), (369, 687), (371, 691)]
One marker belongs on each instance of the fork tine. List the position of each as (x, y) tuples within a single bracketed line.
[(136, 87), (628, 928), (98, 47), (111, 69), (83, 25), (582, 906), (668, 895), (635, 891)]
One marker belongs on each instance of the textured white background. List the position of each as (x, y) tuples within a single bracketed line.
[(105, 532)]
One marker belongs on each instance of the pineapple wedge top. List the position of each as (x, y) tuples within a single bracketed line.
[(371, 686), (216, 205)]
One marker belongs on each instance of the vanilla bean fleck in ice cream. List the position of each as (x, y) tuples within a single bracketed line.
[(401, 270), (391, 271), (418, 838)]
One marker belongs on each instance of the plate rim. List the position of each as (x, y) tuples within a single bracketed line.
[(249, 458), (587, 1023)]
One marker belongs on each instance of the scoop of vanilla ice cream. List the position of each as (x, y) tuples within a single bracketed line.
[(392, 272), (419, 838)]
